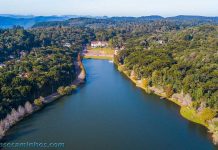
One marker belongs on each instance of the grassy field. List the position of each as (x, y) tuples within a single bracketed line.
[(191, 115), (99, 57), (106, 50)]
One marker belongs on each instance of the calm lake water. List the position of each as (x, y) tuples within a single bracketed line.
[(110, 113)]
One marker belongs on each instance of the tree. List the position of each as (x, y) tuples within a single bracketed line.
[(199, 93), (168, 90), (38, 102), (145, 83), (61, 90), (28, 107), (21, 111)]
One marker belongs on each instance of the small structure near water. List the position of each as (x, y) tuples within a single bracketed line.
[(67, 45), (95, 44)]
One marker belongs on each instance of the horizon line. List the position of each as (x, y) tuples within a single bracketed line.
[(32, 15)]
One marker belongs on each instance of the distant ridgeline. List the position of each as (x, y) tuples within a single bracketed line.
[(8, 21), (181, 21)]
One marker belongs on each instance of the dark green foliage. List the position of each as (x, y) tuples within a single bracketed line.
[(46, 65), (187, 60), (46, 72)]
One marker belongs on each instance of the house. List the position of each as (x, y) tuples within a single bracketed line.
[(67, 45), (160, 41), (95, 44)]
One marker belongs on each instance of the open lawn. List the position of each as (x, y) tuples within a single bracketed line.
[(99, 57), (190, 114), (105, 50)]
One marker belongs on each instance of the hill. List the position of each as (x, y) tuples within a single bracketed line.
[(124, 21), (8, 21)]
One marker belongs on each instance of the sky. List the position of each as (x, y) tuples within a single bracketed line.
[(110, 7)]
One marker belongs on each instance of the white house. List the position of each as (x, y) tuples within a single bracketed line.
[(160, 41), (67, 45), (95, 44)]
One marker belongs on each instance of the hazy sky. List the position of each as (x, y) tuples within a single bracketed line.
[(110, 7)]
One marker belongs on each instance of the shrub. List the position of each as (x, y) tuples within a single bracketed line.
[(145, 83), (38, 102), (61, 90), (74, 87), (66, 90)]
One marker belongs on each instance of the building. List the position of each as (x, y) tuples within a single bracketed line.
[(95, 44), (67, 45), (160, 42)]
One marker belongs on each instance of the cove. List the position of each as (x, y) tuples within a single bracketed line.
[(109, 112)]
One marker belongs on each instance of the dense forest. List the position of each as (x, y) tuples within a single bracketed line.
[(18, 42), (36, 63), (38, 74), (183, 60)]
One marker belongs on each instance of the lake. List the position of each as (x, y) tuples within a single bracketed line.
[(109, 112)]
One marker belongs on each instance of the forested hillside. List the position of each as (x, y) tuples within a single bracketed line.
[(14, 41), (38, 74), (180, 21), (36, 62), (18, 42), (178, 61)]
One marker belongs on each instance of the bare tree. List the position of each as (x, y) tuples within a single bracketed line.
[(14, 115), (21, 111), (28, 107)]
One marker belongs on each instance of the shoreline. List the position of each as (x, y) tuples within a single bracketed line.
[(80, 79), (186, 112), (98, 57)]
